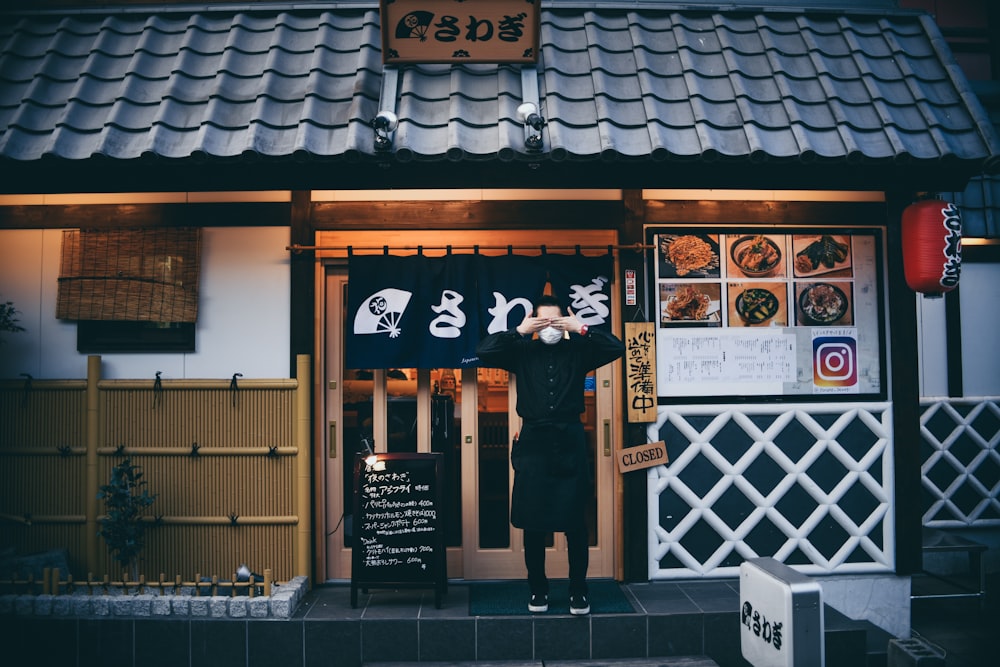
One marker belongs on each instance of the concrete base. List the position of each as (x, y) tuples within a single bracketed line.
[(883, 600)]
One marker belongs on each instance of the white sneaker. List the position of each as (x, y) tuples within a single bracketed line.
[(579, 605), (539, 603)]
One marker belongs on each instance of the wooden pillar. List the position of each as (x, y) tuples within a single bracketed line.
[(633, 559), (905, 383), (93, 442), (303, 466), (302, 278)]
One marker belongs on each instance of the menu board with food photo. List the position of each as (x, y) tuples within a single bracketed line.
[(690, 304), (822, 254), (688, 255), (756, 255), (737, 286), (823, 304), (755, 304)]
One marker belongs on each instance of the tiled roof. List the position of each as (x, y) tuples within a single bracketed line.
[(980, 206), (614, 84)]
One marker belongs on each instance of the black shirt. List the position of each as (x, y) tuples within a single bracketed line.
[(549, 377)]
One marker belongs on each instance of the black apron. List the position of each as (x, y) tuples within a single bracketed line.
[(551, 477)]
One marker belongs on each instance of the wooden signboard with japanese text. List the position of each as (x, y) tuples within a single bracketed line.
[(453, 31), (640, 371), (398, 524)]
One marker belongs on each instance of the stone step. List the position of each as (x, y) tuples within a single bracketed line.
[(675, 661)]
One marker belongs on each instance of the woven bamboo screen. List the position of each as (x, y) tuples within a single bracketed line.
[(148, 275)]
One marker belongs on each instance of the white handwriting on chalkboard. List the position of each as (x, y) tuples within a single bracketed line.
[(374, 491), (378, 478)]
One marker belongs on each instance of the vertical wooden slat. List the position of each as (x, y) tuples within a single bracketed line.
[(303, 506), (93, 439)]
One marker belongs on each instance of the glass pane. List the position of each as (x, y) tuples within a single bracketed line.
[(401, 410), (357, 422), (494, 468), (446, 429)]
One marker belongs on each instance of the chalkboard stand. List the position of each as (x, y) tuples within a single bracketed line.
[(399, 524)]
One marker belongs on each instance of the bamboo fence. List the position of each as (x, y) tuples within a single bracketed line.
[(226, 460)]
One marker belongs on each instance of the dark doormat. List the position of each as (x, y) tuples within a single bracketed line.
[(510, 598)]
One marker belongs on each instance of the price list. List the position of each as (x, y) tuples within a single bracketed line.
[(721, 356), (398, 523)]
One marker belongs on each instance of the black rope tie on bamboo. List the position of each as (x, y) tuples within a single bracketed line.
[(194, 450), (272, 452), (157, 390), (234, 389), (26, 392), (64, 450), (233, 518), (120, 450)]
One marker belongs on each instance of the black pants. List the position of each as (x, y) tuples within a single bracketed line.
[(579, 558)]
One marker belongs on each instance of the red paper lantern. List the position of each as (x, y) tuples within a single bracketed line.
[(932, 246)]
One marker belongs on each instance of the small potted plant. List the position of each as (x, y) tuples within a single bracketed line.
[(123, 528)]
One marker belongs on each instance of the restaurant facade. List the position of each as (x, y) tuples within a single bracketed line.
[(723, 189)]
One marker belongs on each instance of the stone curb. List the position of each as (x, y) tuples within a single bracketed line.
[(282, 603)]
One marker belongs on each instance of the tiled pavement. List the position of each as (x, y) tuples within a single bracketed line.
[(673, 621)]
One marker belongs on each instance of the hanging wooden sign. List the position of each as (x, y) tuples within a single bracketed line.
[(643, 456), (640, 371), (452, 31)]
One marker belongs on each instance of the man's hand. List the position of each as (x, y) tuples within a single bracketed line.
[(568, 323), (530, 325)]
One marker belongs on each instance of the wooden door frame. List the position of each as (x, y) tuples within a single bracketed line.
[(605, 559)]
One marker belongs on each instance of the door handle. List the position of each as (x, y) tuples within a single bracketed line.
[(607, 437), (332, 442)]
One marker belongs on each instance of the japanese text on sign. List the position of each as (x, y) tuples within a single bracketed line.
[(448, 31), (640, 369)]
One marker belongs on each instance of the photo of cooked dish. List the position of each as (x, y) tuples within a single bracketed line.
[(824, 254), (687, 303), (824, 303), (688, 255), (756, 255), (756, 305)]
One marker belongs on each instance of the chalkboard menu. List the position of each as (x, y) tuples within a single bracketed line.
[(398, 524)]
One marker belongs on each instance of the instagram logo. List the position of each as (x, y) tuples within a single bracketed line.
[(834, 361)]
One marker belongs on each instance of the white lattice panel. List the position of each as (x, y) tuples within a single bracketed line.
[(961, 462), (809, 485)]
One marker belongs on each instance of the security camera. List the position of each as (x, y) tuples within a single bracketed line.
[(528, 113), (385, 121)]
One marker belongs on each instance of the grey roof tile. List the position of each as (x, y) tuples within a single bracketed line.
[(614, 84), (980, 206)]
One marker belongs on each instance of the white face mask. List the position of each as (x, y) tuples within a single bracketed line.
[(550, 335)]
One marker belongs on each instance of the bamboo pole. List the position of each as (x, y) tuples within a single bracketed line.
[(93, 440), (249, 383), (222, 520), (303, 479), (202, 451)]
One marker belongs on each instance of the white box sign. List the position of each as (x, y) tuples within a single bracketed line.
[(781, 616)]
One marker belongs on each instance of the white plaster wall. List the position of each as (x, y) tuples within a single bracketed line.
[(980, 298), (243, 312), (979, 293), (932, 346)]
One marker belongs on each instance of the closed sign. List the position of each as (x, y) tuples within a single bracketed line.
[(644, 456)]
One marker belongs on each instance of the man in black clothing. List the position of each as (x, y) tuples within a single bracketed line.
[(552, 477)]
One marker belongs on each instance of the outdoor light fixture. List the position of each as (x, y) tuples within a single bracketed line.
[(528, 113), (371, 458), (384, 125)]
